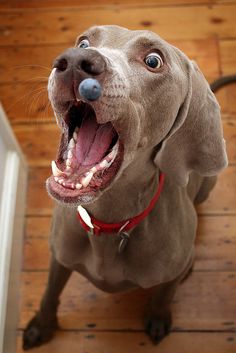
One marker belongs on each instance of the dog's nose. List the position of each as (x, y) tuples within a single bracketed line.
[(87, 62)]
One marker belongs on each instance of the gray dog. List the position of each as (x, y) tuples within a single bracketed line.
[(135, 160)]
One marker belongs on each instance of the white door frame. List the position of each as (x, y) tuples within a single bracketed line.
[(12, 210)]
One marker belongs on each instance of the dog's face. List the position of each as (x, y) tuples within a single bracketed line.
[(145, 98)]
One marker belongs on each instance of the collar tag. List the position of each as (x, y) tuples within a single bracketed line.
[(85, 216)]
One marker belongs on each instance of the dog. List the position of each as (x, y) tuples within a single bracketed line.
[(130, 167)]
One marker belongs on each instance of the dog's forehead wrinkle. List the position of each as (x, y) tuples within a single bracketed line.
[(108, 35)]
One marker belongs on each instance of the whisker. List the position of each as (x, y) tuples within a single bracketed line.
[(31, 65), (34, 101), (46, 110), (36, 78), (25, 95)]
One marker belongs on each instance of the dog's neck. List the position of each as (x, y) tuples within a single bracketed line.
[(129, 195)]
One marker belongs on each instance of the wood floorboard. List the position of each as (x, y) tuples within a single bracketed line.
[(52, 25), (112, 3), (32, 34), (206, 301), (117, 342)]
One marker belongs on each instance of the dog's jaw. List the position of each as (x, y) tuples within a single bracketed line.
[(70, 182)]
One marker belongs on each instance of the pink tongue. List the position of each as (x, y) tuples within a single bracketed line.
[(93, 141)]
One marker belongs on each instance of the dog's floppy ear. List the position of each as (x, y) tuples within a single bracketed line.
[(195, 142)]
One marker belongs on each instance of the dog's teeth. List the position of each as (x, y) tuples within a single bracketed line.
[(86, 180), (70, 154), (78, 186), (75, 136), (55, 170), (71, 144), (60, 181), (56, 179), (94, 169), (68, 164), (68, 185), (104, 164), (68, 169), (111, 155)]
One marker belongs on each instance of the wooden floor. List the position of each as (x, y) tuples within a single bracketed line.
[(204, 309)]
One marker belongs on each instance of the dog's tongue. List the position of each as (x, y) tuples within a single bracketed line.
[(93, 141)]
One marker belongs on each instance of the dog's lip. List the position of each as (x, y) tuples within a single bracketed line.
[(89, 193), (68, 185)]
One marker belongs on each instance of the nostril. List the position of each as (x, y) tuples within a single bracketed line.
[(61, 64), (86, 66)]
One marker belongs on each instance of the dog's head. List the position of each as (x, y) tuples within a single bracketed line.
[(154, 100)]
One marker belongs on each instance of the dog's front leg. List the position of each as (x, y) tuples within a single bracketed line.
[(41, 327), (158, 315)]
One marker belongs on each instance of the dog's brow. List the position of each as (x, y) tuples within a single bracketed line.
[(144, 43)]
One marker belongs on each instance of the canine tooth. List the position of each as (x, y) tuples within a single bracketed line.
[(86, 180), (60, 181), (56, 179), (55, 170), (71, 144), (75, 135), (78, 186)]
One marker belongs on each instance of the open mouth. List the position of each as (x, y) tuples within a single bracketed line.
[(89, 157)]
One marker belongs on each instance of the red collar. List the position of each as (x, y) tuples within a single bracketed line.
[(93, 225)]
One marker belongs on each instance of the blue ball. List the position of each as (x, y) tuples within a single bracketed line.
[(90, 89)]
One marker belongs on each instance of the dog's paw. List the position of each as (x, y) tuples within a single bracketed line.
[(157, 328), (38, 332)]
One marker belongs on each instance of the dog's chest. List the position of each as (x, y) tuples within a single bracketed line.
[(104, 261), (96, 257), (153, 255)]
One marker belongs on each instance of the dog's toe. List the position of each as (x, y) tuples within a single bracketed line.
[(157, 329), (31, 338), (37, 333)]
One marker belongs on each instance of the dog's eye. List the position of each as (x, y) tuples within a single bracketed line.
[(84, 44), (154, 61)]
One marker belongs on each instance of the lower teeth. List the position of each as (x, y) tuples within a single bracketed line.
[(85, 179)]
